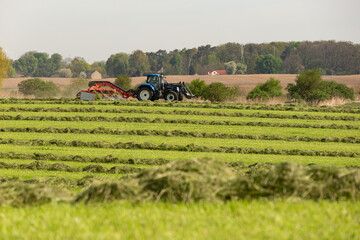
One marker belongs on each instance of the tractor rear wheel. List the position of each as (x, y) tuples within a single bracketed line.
[(144, 93), (171, 96)]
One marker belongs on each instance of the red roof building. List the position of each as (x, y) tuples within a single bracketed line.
[(217, 72)]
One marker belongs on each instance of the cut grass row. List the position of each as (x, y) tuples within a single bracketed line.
[(176, 133), (353, 108), (30, 174), (176, 155), (183, 141), (179, 111), (226, 129), (173, 121), (195, 118)]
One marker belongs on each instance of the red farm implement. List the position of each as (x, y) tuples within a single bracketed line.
[(106, 89)]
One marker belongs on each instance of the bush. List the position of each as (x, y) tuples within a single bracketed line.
[(38, 87), (218, 92), (123, 81), (264, 91), (197, 86), (310, 87)]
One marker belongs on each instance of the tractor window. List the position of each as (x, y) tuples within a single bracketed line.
[(154, 80)]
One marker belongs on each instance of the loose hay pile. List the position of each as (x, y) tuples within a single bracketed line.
[(196, 180), (178, 181), (208, 180), (21, 194)]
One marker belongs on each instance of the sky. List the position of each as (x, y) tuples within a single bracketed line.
[(95, 29)]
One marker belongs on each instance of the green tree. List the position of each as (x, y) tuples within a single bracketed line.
[(264, 91), (139, 63), (117, 64), (38, 87), (4, 65), (305, 83), (123, 81), (230, 67), (176, 63), (26, 65), (79, 65), (266, 64), (241, 68), (310, 87), (197, 87), (218, 92)]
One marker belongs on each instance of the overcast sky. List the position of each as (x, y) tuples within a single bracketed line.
[(95, 29)]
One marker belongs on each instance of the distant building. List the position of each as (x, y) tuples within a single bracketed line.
[(93, 75), (217, 72)]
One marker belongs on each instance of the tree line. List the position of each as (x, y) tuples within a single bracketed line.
[(330, 57)]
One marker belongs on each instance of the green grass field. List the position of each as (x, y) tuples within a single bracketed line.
[(236, 219)]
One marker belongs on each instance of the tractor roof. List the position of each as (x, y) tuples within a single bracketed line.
[(158, 75)]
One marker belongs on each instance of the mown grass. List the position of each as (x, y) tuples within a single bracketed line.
[(210, 142), (176, 155), (232, 220), (251, 130), (28, 174), (187, 117), (167, 109)]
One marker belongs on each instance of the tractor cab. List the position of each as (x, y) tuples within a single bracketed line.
[(155, 80)]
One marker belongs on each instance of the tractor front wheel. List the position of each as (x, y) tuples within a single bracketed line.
[(144, 93), (171, 96)]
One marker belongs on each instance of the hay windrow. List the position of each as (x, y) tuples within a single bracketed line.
[(20, 194), (209, 180)]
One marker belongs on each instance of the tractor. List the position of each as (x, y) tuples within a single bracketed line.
[(156, 88), (153, 89)]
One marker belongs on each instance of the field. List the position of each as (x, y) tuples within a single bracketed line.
[(68, 145)]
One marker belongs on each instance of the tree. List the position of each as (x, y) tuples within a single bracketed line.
[(310, 87), (4, 65), (264, 91), (230, 67), (117, 64), (306, 83), (79, 65), (100, 67), (266, 64), (241, 68), (139, 63), (293, 64), (123, 81), (65, 73), (197, 87), (26, 65), (176, 63), (38, 87), (218, 92)]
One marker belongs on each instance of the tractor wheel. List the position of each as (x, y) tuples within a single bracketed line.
[(78, 95), (171, 96), (144, 93)]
